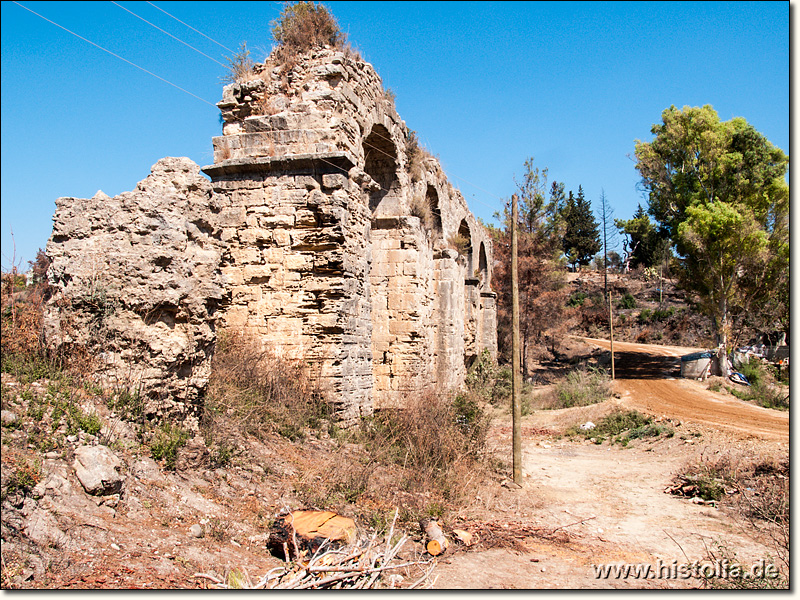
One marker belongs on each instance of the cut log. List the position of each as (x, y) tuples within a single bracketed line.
[(437, 543), (465, 537), (308, 529)]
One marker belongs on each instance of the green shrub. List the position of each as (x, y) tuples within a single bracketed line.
[(644, 315), (165, 443), (663, 315), (627, 301), (487, 379), (761, 390), (576, 299), (581, 387)]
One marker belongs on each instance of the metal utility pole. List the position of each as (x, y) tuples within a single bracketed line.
[(611, 326), (516, 383)]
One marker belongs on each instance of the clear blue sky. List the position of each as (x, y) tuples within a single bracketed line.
[(486, 85)]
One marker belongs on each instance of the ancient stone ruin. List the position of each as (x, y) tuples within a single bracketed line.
[(325, 233)]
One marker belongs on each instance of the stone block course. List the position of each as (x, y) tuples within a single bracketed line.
[(304, 237)]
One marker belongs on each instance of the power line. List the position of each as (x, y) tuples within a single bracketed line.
[(455, 176), (192, 28), (114, 55), (169, 34)]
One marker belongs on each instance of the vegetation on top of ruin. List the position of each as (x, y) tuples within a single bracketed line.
[(304, 26), (240, 66)]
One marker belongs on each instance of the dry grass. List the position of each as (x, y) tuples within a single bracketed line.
[(459, 243), (240, 67), (421, 207), (257, 392)]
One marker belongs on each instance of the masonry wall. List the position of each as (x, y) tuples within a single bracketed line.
[(328, 235), (420, 310)]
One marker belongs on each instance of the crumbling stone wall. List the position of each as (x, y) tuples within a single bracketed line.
[(137, 282), (325, 234), (320, 165)]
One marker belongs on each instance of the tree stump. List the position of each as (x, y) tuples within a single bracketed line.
[(437, 543), (306, 530)]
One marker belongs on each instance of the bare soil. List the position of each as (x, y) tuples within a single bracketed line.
[(611, 500), (581, 504)]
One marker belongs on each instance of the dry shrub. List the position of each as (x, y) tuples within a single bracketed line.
[(421, 207), (438, 440), (251, 390), (23, 350), (240, 66), (303, 26), (756, 487)]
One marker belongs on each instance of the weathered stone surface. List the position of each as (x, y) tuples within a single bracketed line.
[(9, 418), (313, 236), (98, 470), (138, 282)]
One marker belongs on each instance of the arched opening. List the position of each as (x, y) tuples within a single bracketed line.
[(432, 200), (465, 245), (380, 163), (483, 267)]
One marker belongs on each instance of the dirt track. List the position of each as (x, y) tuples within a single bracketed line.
[(648, 378)]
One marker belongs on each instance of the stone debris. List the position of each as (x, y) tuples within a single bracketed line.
[(8, 418), (196, 530), (97, 468)]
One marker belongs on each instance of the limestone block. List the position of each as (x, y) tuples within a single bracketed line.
[(278, 221), (282, 237), (298, 262), (254, 235), (333, 181), (98, 470), (256, 273), (245, 256), (305, 218)]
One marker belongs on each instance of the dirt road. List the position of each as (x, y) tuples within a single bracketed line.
[(648, 378)]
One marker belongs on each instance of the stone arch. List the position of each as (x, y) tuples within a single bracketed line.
[(432, 198), (483, 266), (466, 235), (380, 163)]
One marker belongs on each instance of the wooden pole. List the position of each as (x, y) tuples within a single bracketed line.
[(611, 327), (516, 383)]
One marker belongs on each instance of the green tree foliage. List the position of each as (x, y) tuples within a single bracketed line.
[(644, 245), (581, 237), (542, 291), (718, 191)]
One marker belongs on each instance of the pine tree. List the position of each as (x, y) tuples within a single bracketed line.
[(582, 236), (542, 290)]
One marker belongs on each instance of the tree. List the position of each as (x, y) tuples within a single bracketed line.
[(644, 244), (609, 234), (581, 237), (718, 192), (542, 290)]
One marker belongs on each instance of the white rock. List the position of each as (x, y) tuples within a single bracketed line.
[(98, 470)]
